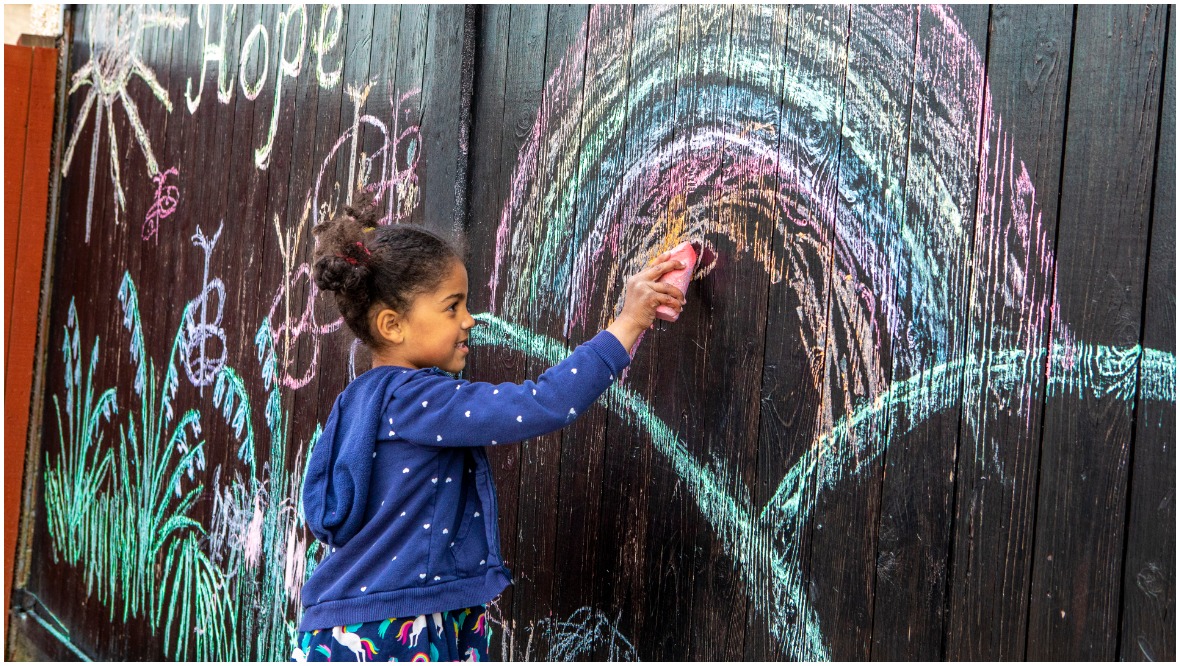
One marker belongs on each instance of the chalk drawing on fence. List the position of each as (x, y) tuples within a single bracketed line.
[(200, 364), (164, 203), (578, 637), (325, 42), (616, 210), (123, 514), (114, 63), (199, 599), (390, 173)]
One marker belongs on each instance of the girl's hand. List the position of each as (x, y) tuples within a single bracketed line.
[(643, 296)]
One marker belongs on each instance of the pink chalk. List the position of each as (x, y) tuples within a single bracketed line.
[(680, 277)]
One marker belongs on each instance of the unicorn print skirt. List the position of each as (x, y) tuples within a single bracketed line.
[(458, 635)]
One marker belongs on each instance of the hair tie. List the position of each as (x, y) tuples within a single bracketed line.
[(365, 249)]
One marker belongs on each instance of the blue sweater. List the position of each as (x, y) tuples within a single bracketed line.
[(399, 489)]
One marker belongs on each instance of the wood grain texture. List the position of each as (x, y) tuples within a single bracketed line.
[(1149, 573), (845, 519), (24, 248), (1029, 51), (18, 71), (1105, 216), (913, 411)]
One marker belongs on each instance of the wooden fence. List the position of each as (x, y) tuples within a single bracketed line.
[(921, 407)]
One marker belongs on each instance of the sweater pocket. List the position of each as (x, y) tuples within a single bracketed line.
[(469, 548)]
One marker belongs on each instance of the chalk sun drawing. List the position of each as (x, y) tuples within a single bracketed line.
[(685, 144), (114, 34)]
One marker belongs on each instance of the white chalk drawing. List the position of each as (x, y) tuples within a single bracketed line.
[(200, 366), (213, 52), (114, 33), (390, 173), (578, 637), (325, 44)]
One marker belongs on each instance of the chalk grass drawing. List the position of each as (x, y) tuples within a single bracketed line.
[(875, 172), (114, 33), (220, 592), (83, 465), (390, 173)]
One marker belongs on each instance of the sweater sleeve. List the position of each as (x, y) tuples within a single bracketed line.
[(438, 411)]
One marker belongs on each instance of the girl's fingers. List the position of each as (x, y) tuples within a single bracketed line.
[(669, 289), (670, 302), (662, 257), (654, 272)]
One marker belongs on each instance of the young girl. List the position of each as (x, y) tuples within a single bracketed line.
[(398, 486)]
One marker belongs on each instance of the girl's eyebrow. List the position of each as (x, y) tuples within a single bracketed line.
[(458, 295)]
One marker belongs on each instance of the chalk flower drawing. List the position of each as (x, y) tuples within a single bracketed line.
[(201, 367), (164, 203), (114, 61)]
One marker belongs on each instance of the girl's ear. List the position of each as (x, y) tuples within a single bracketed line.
[(389, 326)]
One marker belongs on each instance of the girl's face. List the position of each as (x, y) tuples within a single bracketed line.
[(434, 331)]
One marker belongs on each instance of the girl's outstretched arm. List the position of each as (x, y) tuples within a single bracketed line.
[(435, 410)]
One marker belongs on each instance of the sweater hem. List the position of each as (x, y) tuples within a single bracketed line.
[(412, 602)]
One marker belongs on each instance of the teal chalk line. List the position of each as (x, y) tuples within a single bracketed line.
[(771, 572)]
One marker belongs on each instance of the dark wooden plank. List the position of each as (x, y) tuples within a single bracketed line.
[(84, 203), (793, 398), (252, 278), (734, 301), (598, 151), (525, 80), (444, 113), (1082, 494), (847, 466), (556, 133), (939, 225), (413, 36), (1147, 631), (622, 576), (382, 100), (687, 562), (1028, 66), (493, 156)]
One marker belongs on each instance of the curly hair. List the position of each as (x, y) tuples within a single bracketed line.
[(366, 264)]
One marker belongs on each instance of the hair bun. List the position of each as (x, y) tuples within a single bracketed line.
[(339, 273), (341, 257)]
